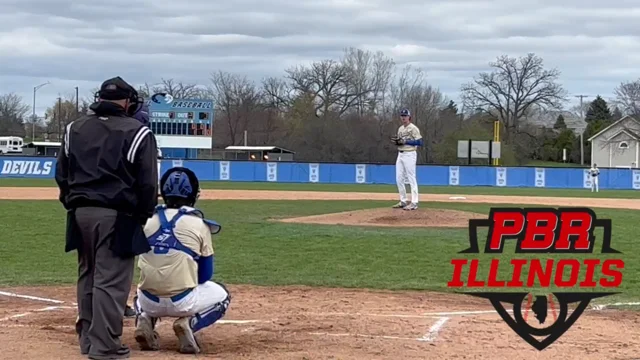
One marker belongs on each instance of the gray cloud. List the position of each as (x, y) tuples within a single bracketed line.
[(80, 43)]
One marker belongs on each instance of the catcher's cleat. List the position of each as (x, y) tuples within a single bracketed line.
[(188, 343), (412, 206), (145, 335), (129, 312), (400, 205)]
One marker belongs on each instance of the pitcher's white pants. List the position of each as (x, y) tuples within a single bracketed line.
[(594, 184), (406, 169), (203, 297)]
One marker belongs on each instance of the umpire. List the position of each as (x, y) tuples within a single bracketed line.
[(107, 175)]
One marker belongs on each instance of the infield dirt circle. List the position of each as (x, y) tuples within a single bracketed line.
[(321, 323)]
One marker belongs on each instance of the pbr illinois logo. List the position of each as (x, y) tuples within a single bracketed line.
[(549, 245)]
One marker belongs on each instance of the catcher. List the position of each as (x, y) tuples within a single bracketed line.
[(175, 276)]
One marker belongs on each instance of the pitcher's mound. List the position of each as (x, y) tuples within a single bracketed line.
[(392, 217)]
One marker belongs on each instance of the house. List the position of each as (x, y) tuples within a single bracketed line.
[(617, 145)]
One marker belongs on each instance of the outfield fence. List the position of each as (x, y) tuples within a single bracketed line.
[(283, 172)]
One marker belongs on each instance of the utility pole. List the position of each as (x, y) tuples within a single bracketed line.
[(77, 102), (59, 119), (582, 132)]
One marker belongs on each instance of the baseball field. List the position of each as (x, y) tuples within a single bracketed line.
[(321, 272)]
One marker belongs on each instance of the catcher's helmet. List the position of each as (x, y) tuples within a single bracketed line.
[(180, 183)]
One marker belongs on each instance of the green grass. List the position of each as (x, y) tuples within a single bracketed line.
[(476, 190), (541, 163), (253, 250)]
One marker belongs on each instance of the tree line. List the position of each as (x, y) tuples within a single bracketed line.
[(346, 109)]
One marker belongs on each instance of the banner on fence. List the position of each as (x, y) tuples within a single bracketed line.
[(454, 175), (272, 171), (225, 170), (361, 173), (540, 178), (586, 179), (31, 168), (636, 179), (501, 176), (314, 173)]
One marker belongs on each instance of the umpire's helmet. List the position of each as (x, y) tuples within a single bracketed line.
[(180, 186)]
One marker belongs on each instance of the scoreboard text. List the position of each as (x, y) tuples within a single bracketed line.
[(181, 117)]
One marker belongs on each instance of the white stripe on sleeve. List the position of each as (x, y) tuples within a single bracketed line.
[(67, 137), (137, 140)]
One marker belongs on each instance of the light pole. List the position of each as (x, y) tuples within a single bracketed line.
[(33, 125), (581, 133)]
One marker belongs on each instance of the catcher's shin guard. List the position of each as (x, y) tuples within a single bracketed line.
[(209, 317)]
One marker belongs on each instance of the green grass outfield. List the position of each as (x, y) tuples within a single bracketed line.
[(253, 250), (476, 190)]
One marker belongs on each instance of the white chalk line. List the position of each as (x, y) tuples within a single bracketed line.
[(48, 308), (435, 329), (36, 298)]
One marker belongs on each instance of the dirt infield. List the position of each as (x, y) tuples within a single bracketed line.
[(388, 217), (320, 323)]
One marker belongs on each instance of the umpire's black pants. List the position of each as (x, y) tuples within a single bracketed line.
[(104, 283)]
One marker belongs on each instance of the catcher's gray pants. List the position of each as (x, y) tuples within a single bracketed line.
[(104, 283)]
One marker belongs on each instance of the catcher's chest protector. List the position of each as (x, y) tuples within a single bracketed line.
[(165, 239)]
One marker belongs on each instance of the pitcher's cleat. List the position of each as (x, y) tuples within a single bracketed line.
[(400, 205), (412, 206)]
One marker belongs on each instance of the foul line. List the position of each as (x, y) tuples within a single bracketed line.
[(31, 297), (48, 308)]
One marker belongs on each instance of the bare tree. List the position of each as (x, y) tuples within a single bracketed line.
[(426, 103), (237, 100), (628, 98), (177, 89), (13, 112), (367, 82), (324, 81), (513, 87), (277, 93)]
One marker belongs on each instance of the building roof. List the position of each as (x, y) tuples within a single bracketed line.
[(43, 143), (257, 148), (610, 126)]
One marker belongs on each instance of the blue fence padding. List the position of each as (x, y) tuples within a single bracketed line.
[(283, 172)]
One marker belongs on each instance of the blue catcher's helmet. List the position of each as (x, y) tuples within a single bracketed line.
[(181, 183)]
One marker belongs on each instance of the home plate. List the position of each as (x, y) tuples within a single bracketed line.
[(457, 198)]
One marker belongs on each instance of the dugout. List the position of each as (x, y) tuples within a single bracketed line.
[(257, 153), (41, 148)]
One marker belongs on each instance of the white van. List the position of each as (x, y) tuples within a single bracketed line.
[(10, 145)]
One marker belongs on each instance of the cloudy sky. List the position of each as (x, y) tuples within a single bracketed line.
[(71, 43)]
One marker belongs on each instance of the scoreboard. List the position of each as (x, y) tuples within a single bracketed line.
[(180, 117)]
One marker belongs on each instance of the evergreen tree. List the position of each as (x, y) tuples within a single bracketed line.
[(560, 124), (598, 110), (617, 114), (452, 107)]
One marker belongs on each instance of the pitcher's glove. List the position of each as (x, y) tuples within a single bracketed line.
[(396, 140)]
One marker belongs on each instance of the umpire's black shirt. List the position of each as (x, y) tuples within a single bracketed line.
[(108, 159)]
